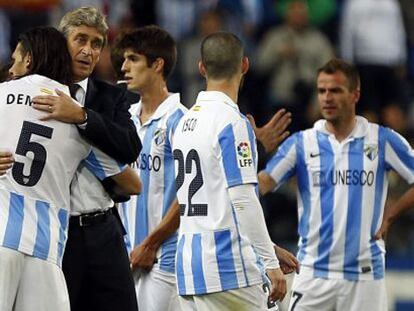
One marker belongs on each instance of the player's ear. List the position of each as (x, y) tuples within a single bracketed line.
[(158, 65), (202, 68), (356, 94), (28, 60), (245, 65)]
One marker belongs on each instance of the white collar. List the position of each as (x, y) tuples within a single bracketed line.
[(39, 79), (216, 96), (161, 110), (35, 78), (360, 129), (83, 84)]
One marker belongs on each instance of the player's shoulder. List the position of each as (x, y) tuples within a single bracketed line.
[(175, 106)]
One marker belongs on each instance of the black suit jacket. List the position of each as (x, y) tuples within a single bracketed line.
[(109, 125)]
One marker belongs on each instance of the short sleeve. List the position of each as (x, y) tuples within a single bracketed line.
[(238, 153), (399, 155), (282, 165), (102, 165)]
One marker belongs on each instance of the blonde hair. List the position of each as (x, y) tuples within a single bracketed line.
[(84, 16)]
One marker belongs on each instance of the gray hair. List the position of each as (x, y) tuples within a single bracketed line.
[(84, 16)]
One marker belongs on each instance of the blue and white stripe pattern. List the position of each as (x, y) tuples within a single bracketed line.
[(34, 218), (33, 227), (213, 254), (342, 189), (155, 166)]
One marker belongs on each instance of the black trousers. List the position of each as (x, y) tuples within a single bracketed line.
[(96, 268)]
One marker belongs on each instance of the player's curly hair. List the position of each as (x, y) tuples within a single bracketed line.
[(49, 53)]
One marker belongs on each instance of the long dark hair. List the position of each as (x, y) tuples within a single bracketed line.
[(49, 52)]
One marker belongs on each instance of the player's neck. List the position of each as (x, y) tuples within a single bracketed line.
[(341, 128), (228, 87), (151, 99)]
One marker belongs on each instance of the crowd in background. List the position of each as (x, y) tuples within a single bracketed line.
[(287, 41)]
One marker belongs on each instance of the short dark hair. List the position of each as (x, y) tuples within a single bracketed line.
[(153, 42), (117, 57), (48, 49), (221, 54), (349, 70)]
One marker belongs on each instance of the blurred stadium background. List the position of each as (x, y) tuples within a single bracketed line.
[(286, 40)]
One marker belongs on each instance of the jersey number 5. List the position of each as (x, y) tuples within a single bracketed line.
[(24, 146), (185, 166)]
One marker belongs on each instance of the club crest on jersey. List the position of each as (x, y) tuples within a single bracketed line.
[(160, 136), (244, 154), (371, 151)]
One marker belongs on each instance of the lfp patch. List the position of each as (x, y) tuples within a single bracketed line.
[(244, 154)]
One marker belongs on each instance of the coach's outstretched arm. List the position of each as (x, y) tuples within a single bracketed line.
[(392, 212), (252, 224)]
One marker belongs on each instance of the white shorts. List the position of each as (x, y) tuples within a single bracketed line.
[(315, 294), (156, 290), (29, 283), (252, 298)]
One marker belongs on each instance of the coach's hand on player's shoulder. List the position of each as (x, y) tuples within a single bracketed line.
[(61, 108), (6, 161), (278, 281), (273, 132), (143, 256), (287, 261)]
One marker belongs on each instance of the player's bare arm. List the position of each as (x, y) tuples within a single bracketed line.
[(61, 108), (273, 132), (6, 161), (266, 183), (287, 261), (391, 213), (127, 182), (143, 256)]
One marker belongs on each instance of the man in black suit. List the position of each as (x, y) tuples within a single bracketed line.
[(95, 262)]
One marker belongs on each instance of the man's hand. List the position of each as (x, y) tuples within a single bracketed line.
[(273, 132), (143, 257), (287, 261), (383, 230), (6, 161), (61, 108), (278, 281)]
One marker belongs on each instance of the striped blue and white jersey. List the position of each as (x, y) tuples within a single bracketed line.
[(155, 166), (341, 190), (215, 149), (34, 195)]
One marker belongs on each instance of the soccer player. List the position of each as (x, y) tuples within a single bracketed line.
[(149, 58), (341, 167), (223, 245), (34, 194)]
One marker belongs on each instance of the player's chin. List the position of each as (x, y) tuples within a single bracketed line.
[(329, 115)]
